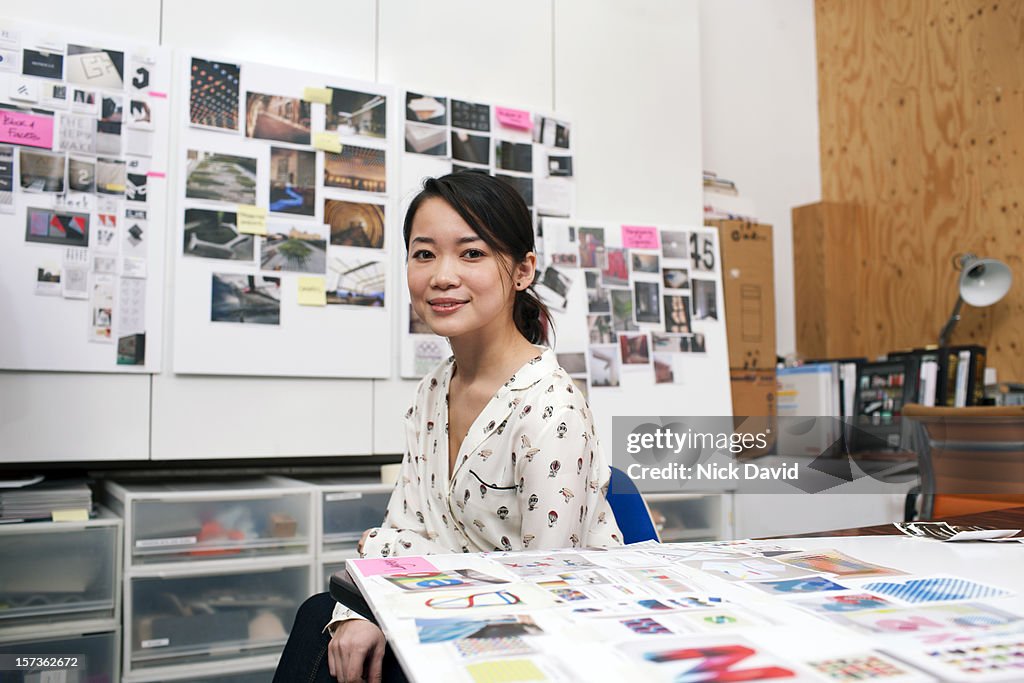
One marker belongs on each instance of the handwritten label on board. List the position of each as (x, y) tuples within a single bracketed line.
[(393, 565), (312, 291), (514, 118), (327, 141), (639, 237), (252, 219), (26, 128)]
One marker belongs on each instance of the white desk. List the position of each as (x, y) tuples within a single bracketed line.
[(601, 646)]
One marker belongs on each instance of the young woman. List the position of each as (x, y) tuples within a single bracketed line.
[(501, 451)]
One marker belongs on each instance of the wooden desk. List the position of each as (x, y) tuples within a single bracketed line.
[(1007, 518)]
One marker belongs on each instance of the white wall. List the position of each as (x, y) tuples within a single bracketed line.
[(759, 95), (626, 74)]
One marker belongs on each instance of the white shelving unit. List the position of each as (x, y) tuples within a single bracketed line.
[(214, 572), (59, 595)]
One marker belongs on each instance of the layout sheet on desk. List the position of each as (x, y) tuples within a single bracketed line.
[(891, 609)]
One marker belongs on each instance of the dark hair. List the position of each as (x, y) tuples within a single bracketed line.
[(497, 213)]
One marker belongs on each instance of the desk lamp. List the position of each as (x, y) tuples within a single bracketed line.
[(983, 281)]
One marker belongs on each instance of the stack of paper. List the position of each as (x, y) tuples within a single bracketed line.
[(45, 500)]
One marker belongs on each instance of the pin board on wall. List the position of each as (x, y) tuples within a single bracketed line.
[(284, 224), (639, 317), (532, 151), (84, 123)]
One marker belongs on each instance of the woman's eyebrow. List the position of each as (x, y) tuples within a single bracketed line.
[(462, 240)]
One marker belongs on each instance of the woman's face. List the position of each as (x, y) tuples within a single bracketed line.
[(457, 283)]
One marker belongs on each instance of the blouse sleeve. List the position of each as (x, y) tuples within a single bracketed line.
[(404, 530), (552, 468)]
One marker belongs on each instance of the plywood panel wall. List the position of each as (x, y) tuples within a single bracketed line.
[(922, 127)]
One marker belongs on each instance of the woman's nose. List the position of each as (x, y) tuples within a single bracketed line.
[(445, 274)]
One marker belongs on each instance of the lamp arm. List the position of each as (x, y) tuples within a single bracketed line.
[(954, 318)]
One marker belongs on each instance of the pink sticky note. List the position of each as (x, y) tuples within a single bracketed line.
[(156, 174), (393, 565), (639, 237), (26, 128), (514, 118), (161, 95)]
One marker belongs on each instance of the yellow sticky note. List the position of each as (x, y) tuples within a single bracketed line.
[(76, 515), (312, 291), (322, 95), (252, 219), (327, 141)]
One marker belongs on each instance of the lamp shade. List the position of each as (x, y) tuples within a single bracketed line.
[(984, 281)]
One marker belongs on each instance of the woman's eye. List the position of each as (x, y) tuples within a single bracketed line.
[(421, 255), (474, 253)]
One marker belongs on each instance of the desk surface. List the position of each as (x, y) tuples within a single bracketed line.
[(672, 611)]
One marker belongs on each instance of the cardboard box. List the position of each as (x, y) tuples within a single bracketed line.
[(754, 398), (749, 282)]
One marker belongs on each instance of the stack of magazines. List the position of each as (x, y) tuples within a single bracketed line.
[(35, 498)]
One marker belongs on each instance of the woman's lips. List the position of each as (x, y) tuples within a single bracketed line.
[(444, 306)]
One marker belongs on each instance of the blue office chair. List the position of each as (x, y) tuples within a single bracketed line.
[(630, 510)]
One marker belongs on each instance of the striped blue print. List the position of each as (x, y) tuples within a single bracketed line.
[(934, 590)]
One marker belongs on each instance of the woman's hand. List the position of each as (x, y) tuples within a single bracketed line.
[(357, 648)]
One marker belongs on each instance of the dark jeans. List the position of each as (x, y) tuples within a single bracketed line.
[(304, 659)]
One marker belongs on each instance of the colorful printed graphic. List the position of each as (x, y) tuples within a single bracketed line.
[(832, 604), (645, 626), (425, 581), (835, 562), (938, 589), (810, 584), (869, 667), (443, 630)]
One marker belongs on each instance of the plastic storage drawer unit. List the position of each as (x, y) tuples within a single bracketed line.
[(87, 658), (190, 521), (194, 618), (57, 571)]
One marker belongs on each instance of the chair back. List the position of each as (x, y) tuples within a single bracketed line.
[(971, 459), (630, 510)]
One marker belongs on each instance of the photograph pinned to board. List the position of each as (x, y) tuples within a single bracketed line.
[(471, 116), (53, 95), (356, 281), (551, 132), (42, 64), (355, 224), (702, 252), (558, 166), (214, 95), (644, 262), (705, 299), (46, 226), (471, 149), (101, 306), (521, 184), (677, 314), (356, 168), (140, 114), (600, 330), (513, 156), (355, 113), (648, 302), (95, 67), (296, 248), (142, 72), (634, 349), (670, 343), (560, 246), (427, 353), (592, 249), (615, 272), (41, 171), (622, 310), (292, 181), (276, 117), (251, 299), (48, 279), (575, 365), (75, 273), (605, 367), (136, 181), (77, 134), (553, 288), (664, 372), (214, 234), (111, 176), (598, 299), (426, 127), (220, 177), (109, 125), (674, 244), (84, 101), (675, 278), (135, 240)]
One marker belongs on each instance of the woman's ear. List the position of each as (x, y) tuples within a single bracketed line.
[(525, 271)]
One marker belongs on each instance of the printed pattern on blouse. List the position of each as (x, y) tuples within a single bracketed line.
[(530, 473)]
